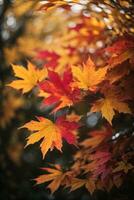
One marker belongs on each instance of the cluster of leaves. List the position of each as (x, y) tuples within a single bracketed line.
[(102, 160), (69, 31), (81, 67)]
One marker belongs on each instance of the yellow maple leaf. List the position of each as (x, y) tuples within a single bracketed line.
[(46, 130), (108, 105), (28, 77), (88, 77)]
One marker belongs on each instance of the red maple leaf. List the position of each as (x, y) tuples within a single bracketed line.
[(99, 165), (50, 58), (59, 90), (121, 45), (68, 129)]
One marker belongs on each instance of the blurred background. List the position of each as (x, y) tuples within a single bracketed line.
[(58, 37)]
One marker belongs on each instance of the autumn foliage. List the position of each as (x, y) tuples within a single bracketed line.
[(71, 77)]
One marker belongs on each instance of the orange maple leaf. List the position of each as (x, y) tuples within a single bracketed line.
[(109, 104), (28, 78), (51, 133), (46, 130), (56, 176), (87, 77), (97, 137), (121, 50), (88, 183)]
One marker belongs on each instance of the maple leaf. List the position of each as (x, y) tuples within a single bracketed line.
[(89, 184), (118, 59), (56, 176), (109, 104), (46, 130), (121, 45), (59, 90), (28, 78), (51, 133), (77, 183), (87, 77), (97, 137), (117, 73), (122, 166), (68, 129), (50, 58), (98, 164), (120, 51)]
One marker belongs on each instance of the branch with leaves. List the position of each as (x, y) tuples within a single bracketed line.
[(79, 66)]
